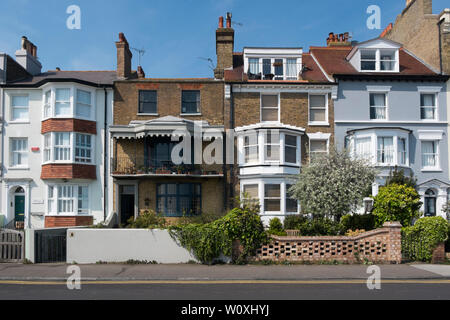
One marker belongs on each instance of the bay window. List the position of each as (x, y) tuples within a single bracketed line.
[(401, 149), (68, 102), (272, 146), (251, 148), (272, 197), (290, 149), (385, 150), (68, 147), (363, 148), (67, 199)]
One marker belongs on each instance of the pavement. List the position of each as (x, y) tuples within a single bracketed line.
[(195, 272)]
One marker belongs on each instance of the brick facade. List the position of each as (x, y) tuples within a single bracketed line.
[(68, 221), (69, 125), (126, 100), (68, 171), (416, 28), (381, 246)]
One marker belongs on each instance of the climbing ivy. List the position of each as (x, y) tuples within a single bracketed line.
[(208, 241)]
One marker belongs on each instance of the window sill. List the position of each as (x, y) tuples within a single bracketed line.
[(69, 214), (190, 114), (148, 114), (67, 116), (19, 122), (19, 168), (318, 124), (431, 170)]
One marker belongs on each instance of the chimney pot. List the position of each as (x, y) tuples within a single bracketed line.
[(220, 22), (228, 20), (140, 72)]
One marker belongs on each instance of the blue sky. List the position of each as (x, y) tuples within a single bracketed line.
[(176, 34)]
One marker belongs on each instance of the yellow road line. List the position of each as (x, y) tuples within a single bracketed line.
[(205, 282)]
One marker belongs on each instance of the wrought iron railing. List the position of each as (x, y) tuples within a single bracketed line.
[(129, 165)]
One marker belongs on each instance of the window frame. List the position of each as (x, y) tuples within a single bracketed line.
[(12, 108), (53, 209), (318, 123), (273, 68), (327, 143), (179, 196), (140, 112), (378, 61), (435, 107), (198, 101), (72, 148), (437, 166), (73, 102), (386, 105), (270, 108), (12, 164)]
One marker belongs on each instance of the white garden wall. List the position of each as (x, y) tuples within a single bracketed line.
[(119, 245)]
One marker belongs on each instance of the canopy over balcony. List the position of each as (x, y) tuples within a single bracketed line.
[(165, 126)]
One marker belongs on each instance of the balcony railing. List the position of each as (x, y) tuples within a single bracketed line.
[(140, 166)]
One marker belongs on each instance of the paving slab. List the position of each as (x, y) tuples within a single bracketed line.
[(217, 272), (442, 270)]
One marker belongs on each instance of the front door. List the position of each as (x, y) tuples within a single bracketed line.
[(126, 203), (19, 208)]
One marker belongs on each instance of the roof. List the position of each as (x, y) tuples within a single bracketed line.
[(311, 71), (93, 78), (333, 61)]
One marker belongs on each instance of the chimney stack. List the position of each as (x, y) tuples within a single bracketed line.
[(124, 56), (224, 47), (335, 40), (26, 56)]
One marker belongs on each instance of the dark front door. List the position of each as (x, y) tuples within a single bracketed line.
[(126, 207), (19, 208)]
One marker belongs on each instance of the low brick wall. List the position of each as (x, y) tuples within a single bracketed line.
[(381, 245), (438, 253)]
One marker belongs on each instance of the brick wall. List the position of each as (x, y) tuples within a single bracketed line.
[(69, 125), (68, 221), (380, 245), (68, 171), (126, 100), (416, 28)]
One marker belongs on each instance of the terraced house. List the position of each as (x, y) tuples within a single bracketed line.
[(391, 109), (54, 142), (281, 106), (152, 118)]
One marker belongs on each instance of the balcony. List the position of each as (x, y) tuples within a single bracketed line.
[(127, 166)]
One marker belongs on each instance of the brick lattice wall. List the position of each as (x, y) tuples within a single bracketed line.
[(380, 245)]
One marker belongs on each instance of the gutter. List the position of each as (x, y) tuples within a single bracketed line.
[(231, 192), (440, 45)]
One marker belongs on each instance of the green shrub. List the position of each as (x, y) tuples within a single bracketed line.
[(419, 240), (358, 222), (276, 227), (293, 222), (147, 220), (396, 203), (208, 241), (320, 226)]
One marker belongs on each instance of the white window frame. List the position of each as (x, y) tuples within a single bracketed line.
[(13, 152), (272, 67), (437, 167), (262, 182), (374, 135), (72, 147), (52, 210), (12, 108), (267, 133), (378, 60), (250, 145), (72, 103), (429, 90), (318, 123), (261, 105), (386, 107)]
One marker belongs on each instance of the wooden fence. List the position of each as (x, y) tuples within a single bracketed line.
[(11, 245)]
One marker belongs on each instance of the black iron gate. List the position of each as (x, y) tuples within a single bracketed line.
[(50, 246)]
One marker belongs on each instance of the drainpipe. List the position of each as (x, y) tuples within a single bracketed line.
[(105, 156), (440, 45), (232, 127)]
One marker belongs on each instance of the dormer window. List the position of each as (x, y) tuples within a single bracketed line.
[(272, 63), (376, 60)]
